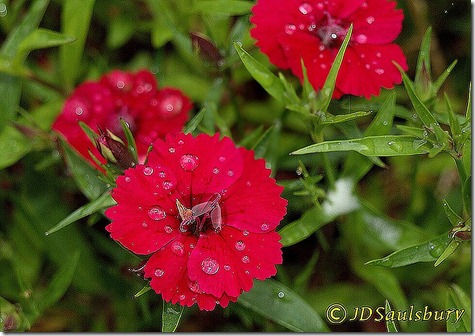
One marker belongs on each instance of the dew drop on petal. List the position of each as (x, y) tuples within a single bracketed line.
[(215, 171), (159, 272), (323, 66), (227, 267), (168, 229), (230, 173), (248, 183), (177, 248), (245, 260), (194, 287), (156, 213), (222, 159), (305, 8), (181, 142), (167, 185), (370, 19), (144, 224), (182, 297), (192, 246), (127, 179), (240, 245), (290, 29), (361, 38), (171, 150), (379, 71), (246, 271), (147, 171), (378, 54), (189, 162), (367, 66), (320, 5), (162, 174), (321, 47), (245, 233), (264, 227), (210, 266), (79, 111)]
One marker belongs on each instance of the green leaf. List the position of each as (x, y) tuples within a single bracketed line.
[(270, 82), (334, 119), (75, 20), (131, 146), (261, 146), (194, 122), (102, 202), (356, 165), (13, 146), (227, 7), (451, 215), (330, 82), (171, 316), (455, 127), (40, 39), (447, 252), (438, 83), (424, 55), (424, 114), (252, 138), (280, 304), (383, 145), (142, 291), (390, 325), (59, 284), (459, 300), (85, 176), (428, 251), (339, 201)]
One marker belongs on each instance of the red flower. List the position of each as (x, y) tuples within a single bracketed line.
[(206, 212), (134, 97), (313, 30)]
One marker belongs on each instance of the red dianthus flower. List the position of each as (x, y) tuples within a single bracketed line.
[(313, 30), (206, 212), (151, 113)]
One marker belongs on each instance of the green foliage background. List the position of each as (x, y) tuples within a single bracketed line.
[(355, 233)]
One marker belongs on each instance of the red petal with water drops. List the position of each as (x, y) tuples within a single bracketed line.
[(368, 68), (216, 164)]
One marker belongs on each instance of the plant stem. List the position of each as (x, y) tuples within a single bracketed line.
[(327, 167)]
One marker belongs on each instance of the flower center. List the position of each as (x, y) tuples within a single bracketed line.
[(331, 32), (196, 218)]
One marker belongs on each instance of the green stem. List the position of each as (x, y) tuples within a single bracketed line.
[(327, 167)]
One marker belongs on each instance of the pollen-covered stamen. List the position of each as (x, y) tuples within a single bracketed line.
[(331, 31), (199, 214)]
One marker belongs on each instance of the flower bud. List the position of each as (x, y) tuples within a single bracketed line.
[(114, 150)]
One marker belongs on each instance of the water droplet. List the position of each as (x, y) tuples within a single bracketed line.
[(79, 111), (210, 266), (159, 272), (177, 248), (162, 174), (3, 10), (227, 267), (168, 229), (248, 183), (222, 159), (147, 171), (435, 250), (385, 123), (240, 245), (189, 162), (215, 171), (367, 66), (281, 295), (245, 233), (181, 142), (167, 185), (194, 287), (245, 260), (182, 297), (320, 5), (127, 179), (171, 150), (144, 224), (299, 171), (378, 54), (323, 66), (246, 271), (290, 29), (379, 71), (305, 8), (370, 19), (192, 246), (321, 47), (156, 213), (395, 145), (230, 173), (264, 227), (361, 38)]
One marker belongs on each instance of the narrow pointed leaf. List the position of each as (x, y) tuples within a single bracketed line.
[(451, 215), (390, 325), (280, 304), (132, 147), (438, 83), (270, 82), (14, 146), (329, 85), (228, 7), (387, 145), (104, 201), (252, 138), (454, 326), (345, 117), (428, 251), (424, 55), (171, 316), (447, 252), (142, 291), (462, 302), (194, 122)]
